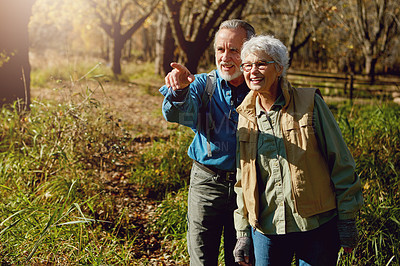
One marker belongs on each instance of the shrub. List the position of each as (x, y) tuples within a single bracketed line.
[(50, 188), (164, 166), (373, 135)]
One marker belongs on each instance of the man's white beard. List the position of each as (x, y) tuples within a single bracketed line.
[(228, 77)]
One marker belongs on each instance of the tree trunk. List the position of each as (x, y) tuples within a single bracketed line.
[(14, 51), (370, 63), (118, 46), (203, 27), (193, 58), (117, 54), (165, 46), (114, 30), (295, 27), (147, 45)]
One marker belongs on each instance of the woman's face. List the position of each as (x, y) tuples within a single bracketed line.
[(260, 72)]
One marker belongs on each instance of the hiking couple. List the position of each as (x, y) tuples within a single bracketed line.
[(271, 171)]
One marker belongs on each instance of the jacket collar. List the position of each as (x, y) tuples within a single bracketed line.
[(248, 107)]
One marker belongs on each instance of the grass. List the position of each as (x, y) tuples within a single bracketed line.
[(372, 133), (63, 70), (164, 166), (51, 158), (72, 179), (171, 223)]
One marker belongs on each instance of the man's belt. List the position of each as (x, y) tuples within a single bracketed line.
[(220, 176)]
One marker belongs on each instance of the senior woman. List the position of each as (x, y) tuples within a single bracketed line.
[(297, 190)]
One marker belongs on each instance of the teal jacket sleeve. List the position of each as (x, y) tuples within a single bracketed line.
[(183, 106), (345, 180)]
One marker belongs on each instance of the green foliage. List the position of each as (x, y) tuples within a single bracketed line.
[(164, 166), (50, 192), (171, 223), (372, 134)]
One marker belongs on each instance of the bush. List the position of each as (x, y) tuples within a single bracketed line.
[(164, 166), (170, 221), (51, 193), (373, 135)]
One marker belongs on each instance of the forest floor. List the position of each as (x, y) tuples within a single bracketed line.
[(139, 110)]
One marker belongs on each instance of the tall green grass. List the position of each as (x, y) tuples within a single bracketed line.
[(373, 135), (171, 223), (163, 167), (51, 195)]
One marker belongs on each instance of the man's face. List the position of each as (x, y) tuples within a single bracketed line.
[(228, 44)]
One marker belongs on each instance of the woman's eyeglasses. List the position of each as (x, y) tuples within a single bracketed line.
[(260, 65)]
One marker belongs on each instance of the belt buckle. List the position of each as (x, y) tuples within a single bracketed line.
[(225, 177)]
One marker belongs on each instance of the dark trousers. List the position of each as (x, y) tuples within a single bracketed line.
[(210, 214)]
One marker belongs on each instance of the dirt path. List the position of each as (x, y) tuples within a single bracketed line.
[(148, 247), (140, 111), (138, 106)]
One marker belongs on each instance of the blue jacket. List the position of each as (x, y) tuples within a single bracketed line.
[(183, 107)]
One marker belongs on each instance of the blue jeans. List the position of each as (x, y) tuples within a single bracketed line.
[(316, 247), (210, 214)]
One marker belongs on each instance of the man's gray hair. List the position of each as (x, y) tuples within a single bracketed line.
[(271, 46), (237, 24)]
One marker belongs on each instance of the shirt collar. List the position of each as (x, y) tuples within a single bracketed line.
[(279, 103)]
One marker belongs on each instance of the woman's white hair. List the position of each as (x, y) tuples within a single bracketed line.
[(271, 46)]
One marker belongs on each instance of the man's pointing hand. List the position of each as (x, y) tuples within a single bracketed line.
[(179, 77)]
